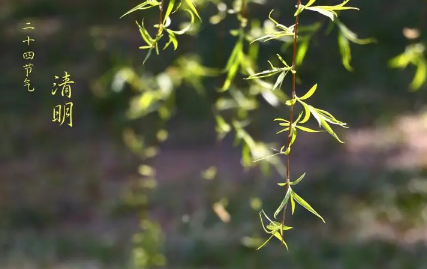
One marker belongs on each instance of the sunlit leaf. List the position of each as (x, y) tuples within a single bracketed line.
[(309, 93), (306, 112), (273, 228), (327, 13), (291, 102), (292, 203), (293, 182), (282, 204), (304, 204), (302, 50), (146, 5), (420, 75), (172, 39), (144, 34), (279, 81), (305, 129), (222, 127), (345, 51), (353, 36), (183, 31), (192, 6), (169, 10)]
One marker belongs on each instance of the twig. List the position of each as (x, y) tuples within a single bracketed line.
[(291, 114)]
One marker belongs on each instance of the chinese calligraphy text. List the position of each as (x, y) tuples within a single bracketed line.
[(28, 55), (63, 112)]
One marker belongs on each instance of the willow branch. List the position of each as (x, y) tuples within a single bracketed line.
[(288, 158)]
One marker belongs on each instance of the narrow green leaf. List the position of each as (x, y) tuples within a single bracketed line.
[(265, 243), (283, 61), (169, 10), (172, 39), (277, 226), (183, 31), (292, 203), (192, 6), (308, 130), (294, 136), (298, 180), (146, 5), (262, 222), (302, 50), (278, 236), (222, 127), (148, 55), (230, 76), (345, 51), (420, 75), (328, 128), (327, 13), (144, 34), (310, 3), (309, 93), (279, 80), (284, 201), (281, 119), (353, 36), (307, 112), (290, 102), (234, 54), (283, 130), (264, 74), (304, 204)]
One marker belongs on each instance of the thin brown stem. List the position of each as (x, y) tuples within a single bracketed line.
[(160, 17), (291, 113)]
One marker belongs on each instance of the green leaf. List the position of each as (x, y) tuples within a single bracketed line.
[(309, 93), (327, 13), (183, 31), (235, 54), (144, 34), (298, 180), (345, 51), (233, 64), (146, 5), (302, 50), (420, 75), (284, 201), (293, 136), (293, 182), (304, 204), (353, 36), (307, 112), (278, 236), (310, 3), (192, 6), (222, 127), (279, 80), (169, 10), (264, 74), (328, 128), (291, 102), (265, 243), (172, 39), (283, 61), (292, 203), (308, 130), (148, 55)]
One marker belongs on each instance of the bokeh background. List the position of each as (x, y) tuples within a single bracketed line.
[(86, 197)]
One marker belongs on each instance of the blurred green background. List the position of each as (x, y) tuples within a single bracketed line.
[(76, 197)]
